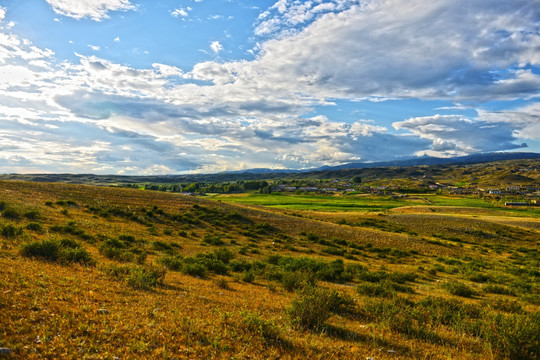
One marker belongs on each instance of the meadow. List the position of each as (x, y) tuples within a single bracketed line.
[(101, 273)]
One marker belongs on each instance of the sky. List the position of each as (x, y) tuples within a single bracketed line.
[(136, 87)]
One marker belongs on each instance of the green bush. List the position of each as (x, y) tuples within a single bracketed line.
[(32, 215), (310, 309), (34, 227), (46, 250), (375, 290), (457, 288), (77, 255), (11, 213), (10, 231), (498, 289), (64, 251), (514, 336), (145, 278), (265, 329), (195, 269)]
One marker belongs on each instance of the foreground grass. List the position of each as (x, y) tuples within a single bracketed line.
[(89, 272)]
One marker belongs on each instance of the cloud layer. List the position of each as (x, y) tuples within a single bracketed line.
[(94, 9), (95, 115)]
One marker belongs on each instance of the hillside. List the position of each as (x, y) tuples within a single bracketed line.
[(100, 273), (483, 172)]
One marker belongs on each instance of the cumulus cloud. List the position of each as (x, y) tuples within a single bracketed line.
[(216, 47), (96, 10), (242, 114), (180, 12), (458, 135), (399, 49)]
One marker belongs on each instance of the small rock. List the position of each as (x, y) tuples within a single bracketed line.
[(370, 358), (38, 340), (103, 311), (5, 351), (392, 351)]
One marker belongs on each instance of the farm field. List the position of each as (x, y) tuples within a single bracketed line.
[(102, 273)]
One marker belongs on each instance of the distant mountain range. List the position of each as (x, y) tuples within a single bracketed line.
[(415, 161), (265, 174)]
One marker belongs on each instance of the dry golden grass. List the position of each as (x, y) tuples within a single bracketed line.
[(70, 311)]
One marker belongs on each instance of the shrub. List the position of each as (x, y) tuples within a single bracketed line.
[(222, 283), (10, 231), (2, 205), (513, 336), (265, 329), (77, 255), (34, 227), (293, 280), (145, 278), (11, 213), (376, 290), (32, 215), (195, 269), (161, 246), (46, 250), (310, 309), (459, 289), (65, 251), (498, 289), (172, 262), (248, 276), (213, 240)]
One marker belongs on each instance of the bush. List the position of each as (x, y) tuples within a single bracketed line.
[(265, 329), (375, 290), (64, 251), (145, 278), (195, 269), (11, 213), (32, 215), (498, 289), (77, 255), (34, 227), (46, 250), (513, 336), (310, 309), (459, 289), (10, 231)]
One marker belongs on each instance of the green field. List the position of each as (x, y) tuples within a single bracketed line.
[(360, 203), (317, 202)]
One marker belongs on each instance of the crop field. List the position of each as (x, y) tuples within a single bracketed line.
[(92, 272), (374, 203)]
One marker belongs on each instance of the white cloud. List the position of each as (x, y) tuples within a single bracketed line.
[(180, 12), (95, 115), (94, 47), (399, 49), (117, 39), (216, 47), (2, 13), (458, 135), (96, 10)]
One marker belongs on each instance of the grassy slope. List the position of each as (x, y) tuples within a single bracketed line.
[(54, 310)]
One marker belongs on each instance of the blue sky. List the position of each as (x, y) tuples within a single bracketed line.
[(168, 87)]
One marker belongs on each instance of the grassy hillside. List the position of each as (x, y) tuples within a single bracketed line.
[(103, 273)]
